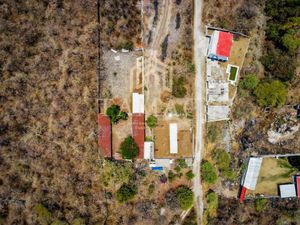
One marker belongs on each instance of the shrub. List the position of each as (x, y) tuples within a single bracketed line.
[(178, 87), (43, 214), (190, 175), (126, 45), (213, 133), (78, 221), (171, 176), (129, 149), (271, 93), (58, 222), (209, 173), (151, 121), (185, 197), (115, 114), (212, 202), (223, 159), (181, 163), (249, 82), (179, 110), (260, 204), (126, 192)]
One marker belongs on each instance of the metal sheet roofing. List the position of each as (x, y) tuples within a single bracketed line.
[(173, 138), (104, 135), (138, 131), (137, 103), (287, 190), (148, 149), (252, 173)]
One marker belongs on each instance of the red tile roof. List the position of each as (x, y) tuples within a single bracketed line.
[(298, 186), (243, 194), (224, 44), (138, 131), (104, 135)]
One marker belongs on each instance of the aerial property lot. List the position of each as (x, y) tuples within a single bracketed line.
[(276, 176), (225, 58)]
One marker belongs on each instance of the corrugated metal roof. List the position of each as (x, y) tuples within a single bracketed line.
[(287, 190), (137, 103), (173, 138), (104, 135), (252, 173), (148, 149), (138, 132)]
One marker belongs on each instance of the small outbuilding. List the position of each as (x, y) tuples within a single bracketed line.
[(287, 190)]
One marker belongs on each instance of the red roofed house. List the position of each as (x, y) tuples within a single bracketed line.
[(220, 45), (138, 122), (104, 135)]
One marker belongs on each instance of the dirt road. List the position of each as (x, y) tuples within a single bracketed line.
[(200, 47), (162, 28)]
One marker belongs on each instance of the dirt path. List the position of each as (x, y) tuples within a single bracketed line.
[(200, 46), (162, 28)]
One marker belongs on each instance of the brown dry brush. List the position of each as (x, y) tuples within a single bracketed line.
[(48, 111)]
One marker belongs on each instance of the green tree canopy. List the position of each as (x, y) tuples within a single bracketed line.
[(271, 93), (249, 82), (151, 121), (209, 173), (115, 114), (190, 175), (185, 197), (129, 149), (126, 192), (43, 214)]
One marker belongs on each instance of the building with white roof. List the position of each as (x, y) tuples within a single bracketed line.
[(287, 190), (173, 138), (137, 103), (252, 173)]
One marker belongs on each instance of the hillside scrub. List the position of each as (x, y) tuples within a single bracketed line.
[(125, 193)]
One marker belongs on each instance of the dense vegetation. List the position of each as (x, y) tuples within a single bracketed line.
[(283, 38), (185, 197), (115, 114), (126, 192)]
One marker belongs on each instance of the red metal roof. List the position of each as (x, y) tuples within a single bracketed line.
[(138, 131), (298, 186), (243, 194), (224, 43), (104, 135)]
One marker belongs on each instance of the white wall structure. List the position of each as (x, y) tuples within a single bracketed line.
[(252, 173), (173, 138), (137, 103), (148, 150), (287, 190)]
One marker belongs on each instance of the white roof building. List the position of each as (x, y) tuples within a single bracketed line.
[(148, 150), (287, 190), (173, 138), (137, 103), (252, 173)]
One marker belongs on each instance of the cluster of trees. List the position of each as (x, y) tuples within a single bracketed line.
[(223, 160), (182, 197), (180, 165), (269, 92), (283, 35)]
